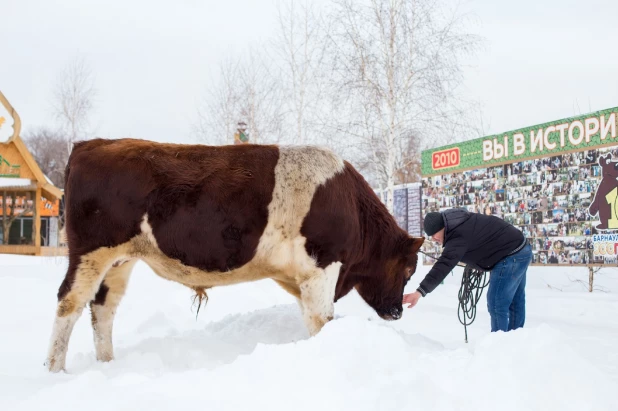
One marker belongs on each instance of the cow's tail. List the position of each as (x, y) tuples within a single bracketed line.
[(67, 172), (63, 217), (63, 234), (200, 297)]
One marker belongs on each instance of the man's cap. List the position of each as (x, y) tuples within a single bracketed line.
[(433, 223)]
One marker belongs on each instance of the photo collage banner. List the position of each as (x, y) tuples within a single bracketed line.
[(565, 203)]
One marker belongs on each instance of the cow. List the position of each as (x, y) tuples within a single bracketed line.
[(207, 216)]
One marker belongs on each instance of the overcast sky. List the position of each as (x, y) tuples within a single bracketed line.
[(543, 60)]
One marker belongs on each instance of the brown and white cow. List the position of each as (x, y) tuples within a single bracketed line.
[(208, 216)]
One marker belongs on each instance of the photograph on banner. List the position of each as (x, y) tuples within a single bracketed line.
[(565, 202)]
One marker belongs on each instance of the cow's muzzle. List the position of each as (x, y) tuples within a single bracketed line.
[(392, 314)]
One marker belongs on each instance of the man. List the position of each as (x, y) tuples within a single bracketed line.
[(487, 243)]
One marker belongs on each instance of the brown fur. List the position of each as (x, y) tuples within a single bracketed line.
[(348, 222)]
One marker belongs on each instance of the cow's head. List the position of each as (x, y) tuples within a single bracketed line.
[(383, 289)]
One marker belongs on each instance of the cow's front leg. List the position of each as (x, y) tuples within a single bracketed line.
[(317, 295)]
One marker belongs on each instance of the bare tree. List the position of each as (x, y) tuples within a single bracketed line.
[(9, 199), (246, 90), (410, 169), (396, 69), (74, 96), (220, 112), (299, 43), (49, 150), (260, 100)]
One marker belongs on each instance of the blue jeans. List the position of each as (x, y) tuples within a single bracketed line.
[(506, 298)]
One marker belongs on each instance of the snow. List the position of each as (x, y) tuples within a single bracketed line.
[(14, 182), (248, 349)]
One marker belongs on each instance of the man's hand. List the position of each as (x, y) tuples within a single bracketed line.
[(411, 299)]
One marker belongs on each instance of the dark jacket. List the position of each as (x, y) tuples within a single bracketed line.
[(478, 240)]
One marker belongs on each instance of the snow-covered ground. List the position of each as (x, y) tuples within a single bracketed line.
[(248, 349)]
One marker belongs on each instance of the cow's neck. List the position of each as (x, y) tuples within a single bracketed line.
[(381, 235)]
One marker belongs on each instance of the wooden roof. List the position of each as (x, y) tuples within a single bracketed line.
[(50, 191)]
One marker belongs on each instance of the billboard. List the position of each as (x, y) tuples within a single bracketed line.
[(557, 182)]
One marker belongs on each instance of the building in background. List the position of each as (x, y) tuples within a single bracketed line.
[(29, 201)]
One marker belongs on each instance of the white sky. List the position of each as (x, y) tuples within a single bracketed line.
[(544, 60)]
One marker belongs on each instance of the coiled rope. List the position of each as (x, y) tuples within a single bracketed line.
[(473, 282)]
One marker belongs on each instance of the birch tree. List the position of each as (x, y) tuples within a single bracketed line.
[(299, 44), (396, 69), (219, 113), (260, 100), (73, 102), (245, 89)]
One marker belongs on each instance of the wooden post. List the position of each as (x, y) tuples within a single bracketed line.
[(590, 278), (36, 216), (4, 218)]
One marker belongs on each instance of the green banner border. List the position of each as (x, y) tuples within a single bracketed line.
[(474, 147)]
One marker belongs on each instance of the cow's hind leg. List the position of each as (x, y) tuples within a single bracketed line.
[(80, 285), (103, 307), (317, 294)]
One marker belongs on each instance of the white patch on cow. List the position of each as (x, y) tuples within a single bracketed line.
[(102, 324), (147, 230), (317, 296), (299, 172), (59, 343)]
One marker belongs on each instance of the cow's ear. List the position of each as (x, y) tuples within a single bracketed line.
[(605, 159), (414, 244)]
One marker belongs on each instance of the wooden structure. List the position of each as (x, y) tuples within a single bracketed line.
[(21, 177)]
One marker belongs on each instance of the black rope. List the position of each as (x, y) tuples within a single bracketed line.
[(473, 282)]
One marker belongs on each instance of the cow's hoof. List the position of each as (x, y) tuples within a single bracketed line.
[(105, 357), (54, 366)]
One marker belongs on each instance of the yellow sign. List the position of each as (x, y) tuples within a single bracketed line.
[(241, 137), (47, 208)]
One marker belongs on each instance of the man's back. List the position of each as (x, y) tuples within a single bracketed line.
[(484, 239)]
